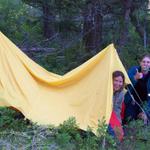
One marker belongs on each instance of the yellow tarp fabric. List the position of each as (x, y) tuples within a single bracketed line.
[(47, 98)]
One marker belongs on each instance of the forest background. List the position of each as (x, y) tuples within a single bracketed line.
[(62, 34)]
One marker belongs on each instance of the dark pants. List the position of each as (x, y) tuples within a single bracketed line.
[(132, 111)]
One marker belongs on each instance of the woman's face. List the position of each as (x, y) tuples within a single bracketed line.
[(145, 64), (117, 83)]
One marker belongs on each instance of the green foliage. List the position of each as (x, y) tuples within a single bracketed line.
[(23, 22), (53, 63), (19, 21), (137, 136), (62, 61), (131, 56), (67, 136), (19, 133), (11, 12), (9, 121), (69, 132), (107, 140)]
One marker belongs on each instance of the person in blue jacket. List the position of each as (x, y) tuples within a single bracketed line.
[(137, 99)]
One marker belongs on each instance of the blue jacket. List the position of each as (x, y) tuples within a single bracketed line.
[(132, 73)]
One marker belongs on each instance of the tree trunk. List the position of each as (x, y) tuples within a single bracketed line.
[(92, 27), (127, 5), (98, 29), (140, 29), (48, 22)]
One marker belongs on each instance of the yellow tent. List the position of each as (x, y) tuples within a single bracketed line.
[(47, 98)]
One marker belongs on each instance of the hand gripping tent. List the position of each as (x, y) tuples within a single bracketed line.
[(47, 98)]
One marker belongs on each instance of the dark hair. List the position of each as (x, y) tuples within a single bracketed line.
[(144, 56), (118, 73)]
